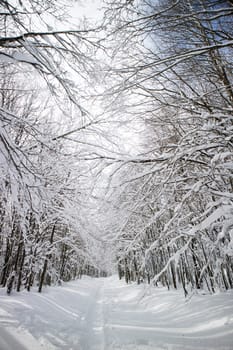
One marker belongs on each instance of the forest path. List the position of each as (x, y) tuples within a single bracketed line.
[(107, 314), (92, 326)]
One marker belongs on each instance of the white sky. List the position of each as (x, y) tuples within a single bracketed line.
[(89, 8)]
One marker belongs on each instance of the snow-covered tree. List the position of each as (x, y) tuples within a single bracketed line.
[(179, 79), (43, 234)]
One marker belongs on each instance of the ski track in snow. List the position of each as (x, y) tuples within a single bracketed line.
[(107, 314)]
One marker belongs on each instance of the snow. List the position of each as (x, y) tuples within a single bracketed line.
[(98, 314)]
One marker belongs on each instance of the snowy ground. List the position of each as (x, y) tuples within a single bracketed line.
[(106, 314)]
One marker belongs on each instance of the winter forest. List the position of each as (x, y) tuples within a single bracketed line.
[(116, 143)]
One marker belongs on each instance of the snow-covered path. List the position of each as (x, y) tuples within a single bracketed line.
[(106, 314)]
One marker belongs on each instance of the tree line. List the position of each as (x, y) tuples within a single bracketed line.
[(43, 236), (175, 197)]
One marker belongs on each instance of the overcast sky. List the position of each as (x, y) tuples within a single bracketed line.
[(88, 8)]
